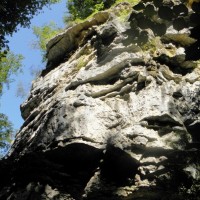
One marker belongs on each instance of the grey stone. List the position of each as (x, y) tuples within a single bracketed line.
[(117, 119)]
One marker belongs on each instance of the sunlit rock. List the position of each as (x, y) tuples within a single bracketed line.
[(115, 114)]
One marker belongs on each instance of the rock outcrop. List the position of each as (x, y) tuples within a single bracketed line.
[(115, 114)]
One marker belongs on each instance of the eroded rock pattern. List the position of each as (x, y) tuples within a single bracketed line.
[(115, 115)]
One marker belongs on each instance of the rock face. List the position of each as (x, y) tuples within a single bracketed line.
[(115, 114)]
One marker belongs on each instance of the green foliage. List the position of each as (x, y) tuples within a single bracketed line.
[(81, 9), (9, 64), (18, 12), (132, 2), (13, 15), (81, 62), (6, 131), (44, 34), (123, 14)]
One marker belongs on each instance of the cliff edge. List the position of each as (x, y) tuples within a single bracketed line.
[(115, 114)]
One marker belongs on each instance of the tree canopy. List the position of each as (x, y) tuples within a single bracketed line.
[(83, 8), (18, 12), (6, 131), (14, 14), (9, 65), (44, 34)]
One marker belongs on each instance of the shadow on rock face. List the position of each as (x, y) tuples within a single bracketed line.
[(118, 165), (76, 160), (193, 129), (76, 157), (193, 51)]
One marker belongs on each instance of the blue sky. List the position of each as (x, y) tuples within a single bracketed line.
[(20, 43)]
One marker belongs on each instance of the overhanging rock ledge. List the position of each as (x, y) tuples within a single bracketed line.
[(115, 115)]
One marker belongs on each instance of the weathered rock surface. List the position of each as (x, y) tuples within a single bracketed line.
[(115, 115)]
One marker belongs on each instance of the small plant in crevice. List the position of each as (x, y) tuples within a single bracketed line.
[(132, 2), (123, 14), (155, 46), (81, 62)]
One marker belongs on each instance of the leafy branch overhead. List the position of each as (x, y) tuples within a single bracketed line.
[(18, 13), (14, 14), (6, 131), (9, 65), (80, 9), (44, 34)]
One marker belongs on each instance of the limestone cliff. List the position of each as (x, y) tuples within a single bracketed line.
[(115, 114)]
